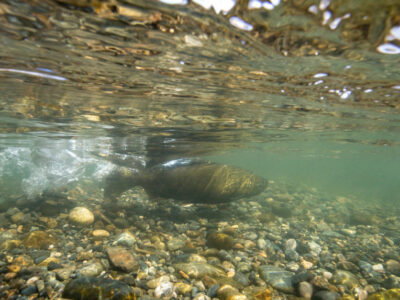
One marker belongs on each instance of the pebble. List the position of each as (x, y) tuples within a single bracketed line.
[(122, 259), (175, 244), (199, 270), (165, 289), (100, 234), (314, 248), (201, 296), (153, 283), (183, 288), (345, 278), (325, 295), (81, 216), (291, 244), (278, 278), (227, 292), (261, 244), (91, 269), (38, 239), (219, 240), (305, 289), (18, 217), (393, 267), (125, 239), (378, 268), (97, 288)]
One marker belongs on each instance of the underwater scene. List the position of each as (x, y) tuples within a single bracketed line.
[(200, 149)]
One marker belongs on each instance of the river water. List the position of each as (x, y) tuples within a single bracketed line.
[(303, 93)]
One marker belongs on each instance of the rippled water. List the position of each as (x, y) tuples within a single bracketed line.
[(305, 92)]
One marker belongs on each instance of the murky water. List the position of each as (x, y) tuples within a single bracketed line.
[(303, 93)]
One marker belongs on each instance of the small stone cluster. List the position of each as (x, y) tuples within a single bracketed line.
[(285, 244)]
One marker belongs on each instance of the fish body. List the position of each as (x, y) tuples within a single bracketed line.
[(188, 181)]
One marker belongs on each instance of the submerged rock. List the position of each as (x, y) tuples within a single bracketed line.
[(219, 240), (89, 288), (38, 239), (81, 216), (199, 270), (385, 295), (278, 278), (189, 181), (122, 259)]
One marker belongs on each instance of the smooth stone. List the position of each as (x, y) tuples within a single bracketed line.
[(32, 289), (227, 292), (291, 255), (280, 279), (100, 234), (325, 295), (290, 244), (183, 288), (64, 273), (38, 239), (305, 289), (153, 283), (91, 288), (175, 244), (345, 278), (201, 296), (392, 282), (261, 244), (366, 267), (219, 240), (47, 261), (125, 239), (199, 270), (393, 267), (378, 268), (122, 259), (314, 247), (91, 270), (81, 216), (18, 217), (164, 289)]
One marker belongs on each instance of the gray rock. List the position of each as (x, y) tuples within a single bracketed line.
[(392, 282), (280, 279), (393, 267), (175, 244), (305, 289), (314, 247), (125, 239), (91, 269), (365, 267), (64, 273), (291, 255), (345, 278), (325, 295), (164, 289), (290, 244)]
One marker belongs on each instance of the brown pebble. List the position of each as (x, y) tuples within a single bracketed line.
[(122, 259), (38, 239), (100, 234), (14, 268), (9, 276)]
